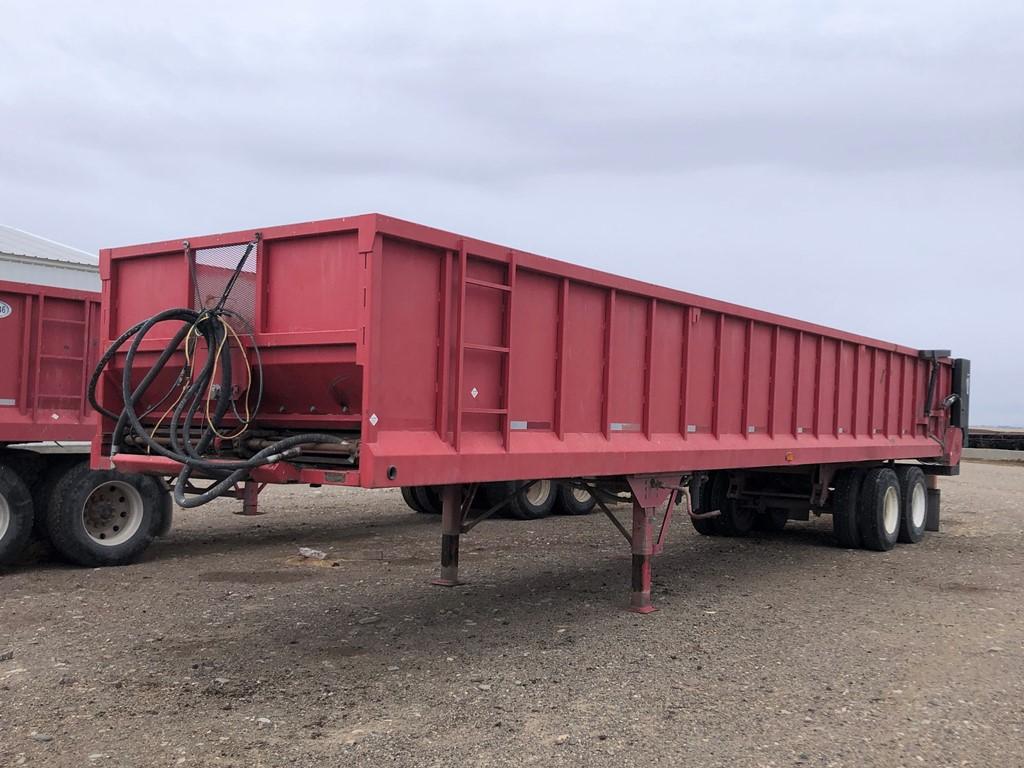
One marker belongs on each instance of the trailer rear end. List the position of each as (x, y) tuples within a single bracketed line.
[(49, 342), (374, 352)]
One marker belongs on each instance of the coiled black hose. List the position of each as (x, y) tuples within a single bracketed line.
[(211, 326)]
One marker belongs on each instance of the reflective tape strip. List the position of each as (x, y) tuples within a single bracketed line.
[(624, 426)]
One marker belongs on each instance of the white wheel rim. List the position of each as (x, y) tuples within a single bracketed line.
[(917, 506), (582, 495), (5, 516), (113, 513), (891, 510), (537, 494)]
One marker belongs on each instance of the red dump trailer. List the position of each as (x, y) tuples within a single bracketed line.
[(426, 359), (49, 345), (49, 351)]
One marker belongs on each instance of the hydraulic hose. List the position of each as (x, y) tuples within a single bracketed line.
[(198, 387)]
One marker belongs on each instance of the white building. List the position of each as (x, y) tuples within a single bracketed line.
[(28, 258)]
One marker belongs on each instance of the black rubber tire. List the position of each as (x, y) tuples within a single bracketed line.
[(706, 502), (568, 504), (65, 522), (491, 494), (428, 499), (17, 501), (911, 479), (845, 504), (772, 520), (705, 527), (521, 507), (166, 507), (409, 497), (733, 521), (29, 465), (42, 491), (874, 534)]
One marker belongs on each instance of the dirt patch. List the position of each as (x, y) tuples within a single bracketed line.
[(253, 577), (226, 648)]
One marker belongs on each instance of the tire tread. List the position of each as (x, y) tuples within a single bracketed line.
[(19, 502)]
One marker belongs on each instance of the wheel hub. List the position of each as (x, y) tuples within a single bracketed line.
[(5, 516), (918, 506), (891, 510), (112, 513), (538, 493)]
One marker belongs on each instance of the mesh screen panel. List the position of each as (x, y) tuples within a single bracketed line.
[(212, 270)]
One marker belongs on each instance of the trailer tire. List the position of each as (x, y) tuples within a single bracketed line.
[(705, 527), (706, 501), (845, 514), (28, 465), (878, 511), (733, 520), (531, 503), (409, 497), (16, 514), (42, 491), (427, 498), (84, 519), (166, 508), (914, 503), (534, 502), (574, 501)]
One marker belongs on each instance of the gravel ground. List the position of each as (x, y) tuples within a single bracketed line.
[(225, 648)]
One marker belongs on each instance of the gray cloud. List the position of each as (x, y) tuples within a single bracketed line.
[(861, 165)]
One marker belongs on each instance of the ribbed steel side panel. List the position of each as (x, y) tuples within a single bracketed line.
[(48, 342), (460, 360)]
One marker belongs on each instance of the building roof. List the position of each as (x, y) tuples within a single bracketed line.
[(16, 242)]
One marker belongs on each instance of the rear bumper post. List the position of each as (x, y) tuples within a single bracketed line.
[(451, 530)]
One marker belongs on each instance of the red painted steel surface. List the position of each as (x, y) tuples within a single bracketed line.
[(48, 345), (459, 361)]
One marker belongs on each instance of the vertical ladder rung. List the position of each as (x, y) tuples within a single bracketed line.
[(504, 348)]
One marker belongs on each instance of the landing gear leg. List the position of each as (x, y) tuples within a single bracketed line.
[(451, 530), (643, 551), (649, 493)]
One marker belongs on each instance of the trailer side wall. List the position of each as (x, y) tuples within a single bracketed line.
[(459, 361)]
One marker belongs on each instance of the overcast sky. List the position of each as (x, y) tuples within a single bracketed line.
[(855, 164)]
